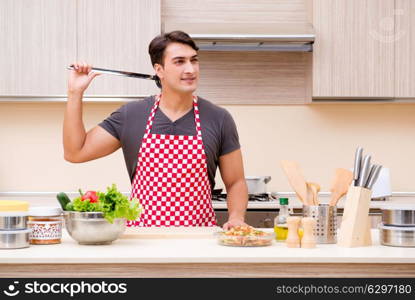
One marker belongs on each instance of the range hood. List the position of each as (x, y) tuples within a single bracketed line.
[(249, 37)]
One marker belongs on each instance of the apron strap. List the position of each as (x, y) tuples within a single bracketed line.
[(153, 113)]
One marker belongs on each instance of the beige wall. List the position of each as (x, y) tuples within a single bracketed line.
[(320, 137)]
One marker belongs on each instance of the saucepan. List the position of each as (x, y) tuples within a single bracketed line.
[(125, 73), (257, 184)]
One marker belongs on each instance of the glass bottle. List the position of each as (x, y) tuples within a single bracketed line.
[(280, 221)]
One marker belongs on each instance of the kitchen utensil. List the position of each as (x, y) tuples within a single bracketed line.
[(257, 184), (296, 179), (341, 182), (124, 73), (314, 188), (397, 236), (355, 227), (399, 216), (325, 230), (91, 228), (373, 176), (357, 164), (365, 170), (13, 239), (310, 194), (13, 220)]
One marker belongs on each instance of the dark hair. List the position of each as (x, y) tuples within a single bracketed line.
[(159, 44)]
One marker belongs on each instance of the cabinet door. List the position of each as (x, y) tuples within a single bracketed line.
[(405, 49), (354, 49), (37, 39), (115, 34)]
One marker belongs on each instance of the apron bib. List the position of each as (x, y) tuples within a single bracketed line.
[(171, 180)]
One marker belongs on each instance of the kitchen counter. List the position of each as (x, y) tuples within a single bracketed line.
[(194, 252)]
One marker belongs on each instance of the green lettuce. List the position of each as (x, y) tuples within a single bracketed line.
[(112, 204)]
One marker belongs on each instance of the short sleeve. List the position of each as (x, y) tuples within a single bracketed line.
[(114, 123), (229, 135)]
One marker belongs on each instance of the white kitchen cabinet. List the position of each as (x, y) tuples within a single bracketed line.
[(405, 49), (354, 49), (115, 34), (37, 39)]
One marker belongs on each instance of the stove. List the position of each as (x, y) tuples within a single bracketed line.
[(260, 217)]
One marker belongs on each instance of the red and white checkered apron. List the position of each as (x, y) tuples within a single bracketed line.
[(171, 180)]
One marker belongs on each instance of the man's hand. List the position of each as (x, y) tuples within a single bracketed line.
[(233, 222), (80, 77)]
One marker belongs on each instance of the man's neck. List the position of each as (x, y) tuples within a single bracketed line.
[(175, 103)]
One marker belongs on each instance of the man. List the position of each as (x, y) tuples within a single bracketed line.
[(172, 142)]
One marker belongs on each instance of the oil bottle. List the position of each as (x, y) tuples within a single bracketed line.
[(280, 221)]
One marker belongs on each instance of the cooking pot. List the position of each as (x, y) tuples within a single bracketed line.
[(257, 184)]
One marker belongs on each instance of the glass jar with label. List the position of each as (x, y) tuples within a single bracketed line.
[(46, 225)]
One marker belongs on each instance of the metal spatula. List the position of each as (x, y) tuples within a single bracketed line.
[(124, 73)]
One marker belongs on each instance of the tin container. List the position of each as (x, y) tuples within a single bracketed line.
[(397, 236), (325, 231), (399, 216), (14, 239), (13, 220)]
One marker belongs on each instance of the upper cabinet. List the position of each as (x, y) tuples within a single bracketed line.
[(246, 77), (39, 39), (354, 49), (115, 34), (405, 49)]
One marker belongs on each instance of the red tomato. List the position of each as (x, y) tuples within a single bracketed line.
[(91, 195)]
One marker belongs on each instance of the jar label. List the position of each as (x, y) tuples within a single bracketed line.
[(46, 230)]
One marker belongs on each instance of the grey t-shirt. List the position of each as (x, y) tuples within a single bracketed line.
[(128, 124)]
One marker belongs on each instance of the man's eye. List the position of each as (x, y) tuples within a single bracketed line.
[(178, 62), (195, 60)]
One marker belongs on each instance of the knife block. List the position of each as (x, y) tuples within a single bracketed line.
[(355, 225)]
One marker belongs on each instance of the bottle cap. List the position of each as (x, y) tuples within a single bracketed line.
[(283, 201)]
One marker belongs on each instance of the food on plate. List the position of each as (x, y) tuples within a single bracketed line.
[(113, 204), (246, 236)]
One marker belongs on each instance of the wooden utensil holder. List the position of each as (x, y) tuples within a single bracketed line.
[(355, 225)]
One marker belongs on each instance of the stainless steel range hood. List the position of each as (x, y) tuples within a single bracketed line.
[(249, 37)]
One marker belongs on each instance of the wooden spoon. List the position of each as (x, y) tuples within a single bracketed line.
[(296, 179), (310, 195), (315, 188), (341, 182)]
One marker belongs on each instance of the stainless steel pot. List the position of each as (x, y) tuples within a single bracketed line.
[(397, 236), (403, 216), (257, 184), (13, 239)]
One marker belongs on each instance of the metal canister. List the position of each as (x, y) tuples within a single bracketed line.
[(14, 239), (326, 222), (397, 236), (13, 220), (399, 216)]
